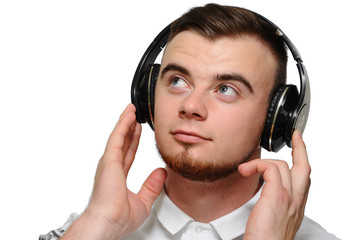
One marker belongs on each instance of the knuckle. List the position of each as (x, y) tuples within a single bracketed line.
[(274, 167), (308, 169), (284, 197), (283, 164)]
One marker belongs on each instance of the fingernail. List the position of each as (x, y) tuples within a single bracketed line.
[(298, 132), (241, 166)]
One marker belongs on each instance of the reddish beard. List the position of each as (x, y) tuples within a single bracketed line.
[(195, 170)]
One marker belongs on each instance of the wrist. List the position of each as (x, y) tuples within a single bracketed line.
[(92, 226)]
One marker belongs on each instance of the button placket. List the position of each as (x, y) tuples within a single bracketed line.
[(198, 229)]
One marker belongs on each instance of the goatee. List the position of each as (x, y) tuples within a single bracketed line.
[(196, 170)]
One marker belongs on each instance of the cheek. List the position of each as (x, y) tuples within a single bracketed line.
[(162, 110), (159, 105), (239, 134), (242, 125), (159, 123)]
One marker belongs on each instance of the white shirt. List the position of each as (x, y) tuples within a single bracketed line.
[(166, 221)]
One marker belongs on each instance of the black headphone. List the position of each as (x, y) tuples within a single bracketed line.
[(288, 109)]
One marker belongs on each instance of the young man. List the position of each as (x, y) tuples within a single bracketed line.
[(219, 69)]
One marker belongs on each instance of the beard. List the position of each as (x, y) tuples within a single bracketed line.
[(202, 171)]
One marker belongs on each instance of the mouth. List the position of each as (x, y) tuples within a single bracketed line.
[(189, 137)]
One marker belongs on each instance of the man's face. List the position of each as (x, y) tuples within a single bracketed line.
[(211, 100)]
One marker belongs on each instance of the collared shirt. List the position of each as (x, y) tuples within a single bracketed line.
[(166, 221)]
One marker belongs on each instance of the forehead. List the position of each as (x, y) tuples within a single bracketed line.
[(246, 55)]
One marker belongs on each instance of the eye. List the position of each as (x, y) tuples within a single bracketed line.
[(177, 81), (178, 84), (227, 90)]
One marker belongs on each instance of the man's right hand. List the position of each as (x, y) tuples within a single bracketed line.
[(114, 211)]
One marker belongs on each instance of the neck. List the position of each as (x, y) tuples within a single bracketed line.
[(197, 198)]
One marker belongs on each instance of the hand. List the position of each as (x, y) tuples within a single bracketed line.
[(114, 211), (279, 211)]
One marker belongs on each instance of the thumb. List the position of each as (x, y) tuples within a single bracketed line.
[(152, 187)]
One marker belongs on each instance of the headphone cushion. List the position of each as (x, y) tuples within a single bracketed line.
[(147, 92), (153, 83), (144, 97), (277, 120)]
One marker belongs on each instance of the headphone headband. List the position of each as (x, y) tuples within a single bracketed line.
[(288, 110)]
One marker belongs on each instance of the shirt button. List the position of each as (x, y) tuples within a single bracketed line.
[(198, 229)]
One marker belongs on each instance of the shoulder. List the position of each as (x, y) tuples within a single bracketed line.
[(311, 230)]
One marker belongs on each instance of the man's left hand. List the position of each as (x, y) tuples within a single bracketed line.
[(279, 211)]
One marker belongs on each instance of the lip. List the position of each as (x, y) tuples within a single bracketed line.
[(189, 137)]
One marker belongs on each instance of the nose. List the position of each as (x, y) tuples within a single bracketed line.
[(193, 107)]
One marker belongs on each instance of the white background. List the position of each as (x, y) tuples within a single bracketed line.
[(65, 73)]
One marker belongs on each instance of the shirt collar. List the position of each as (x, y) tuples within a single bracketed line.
[(169, 215), (228, 226), (234, 224)]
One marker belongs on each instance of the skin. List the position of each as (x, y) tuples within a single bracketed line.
[(198, 115), (199, 110), (209, 121)]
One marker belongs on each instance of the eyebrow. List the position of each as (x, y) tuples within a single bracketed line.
[(219, 77), (235, 77), (174, 67)]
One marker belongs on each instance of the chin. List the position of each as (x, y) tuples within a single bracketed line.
[(190, 167)]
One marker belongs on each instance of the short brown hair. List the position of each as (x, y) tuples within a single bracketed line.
[(214, 21)]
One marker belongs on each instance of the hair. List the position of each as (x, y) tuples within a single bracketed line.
[(214, 21)]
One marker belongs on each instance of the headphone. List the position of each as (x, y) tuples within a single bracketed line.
[(288, 110)]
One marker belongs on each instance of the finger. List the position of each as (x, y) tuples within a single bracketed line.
[(285, 174), (120, 135), (152, 187), (128, 138), (125, 118), (129, 108), (301, 170), (133, 147), (305, 197), (269, 170)]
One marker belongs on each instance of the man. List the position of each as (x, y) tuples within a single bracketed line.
[(219, 70)]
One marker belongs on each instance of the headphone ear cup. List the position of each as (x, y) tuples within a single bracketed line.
[(146, 90), (280, 109)]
